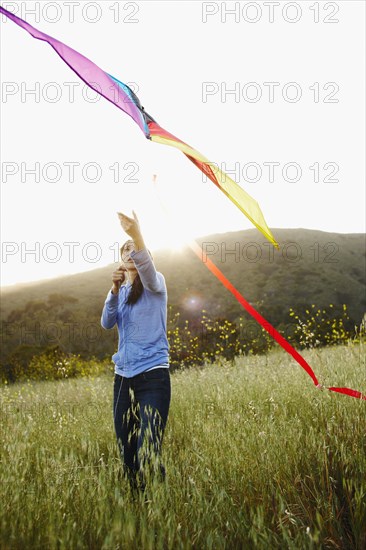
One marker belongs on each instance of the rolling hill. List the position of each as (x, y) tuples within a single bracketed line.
[(311, 267)]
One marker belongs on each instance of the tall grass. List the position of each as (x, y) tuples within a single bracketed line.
[(256, 457)]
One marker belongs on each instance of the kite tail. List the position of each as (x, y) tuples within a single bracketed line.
[(348, 391), (267, 326), (196, 248)]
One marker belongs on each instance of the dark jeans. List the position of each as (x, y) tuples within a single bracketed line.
[(140, 412)]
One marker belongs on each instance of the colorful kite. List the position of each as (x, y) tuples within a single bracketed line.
[(123, 97)]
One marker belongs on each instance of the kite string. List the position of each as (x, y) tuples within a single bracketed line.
[(196, 248)]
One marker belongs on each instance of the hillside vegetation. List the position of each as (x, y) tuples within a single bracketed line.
[(312, 271)]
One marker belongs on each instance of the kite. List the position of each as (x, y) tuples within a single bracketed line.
[(125, 99)]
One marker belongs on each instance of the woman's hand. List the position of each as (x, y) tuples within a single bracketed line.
[(131, 226), (118, 277)]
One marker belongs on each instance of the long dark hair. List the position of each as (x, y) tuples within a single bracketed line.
[(137, 287), (136, 290)]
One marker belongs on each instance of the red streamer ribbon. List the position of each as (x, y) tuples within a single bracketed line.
[(266, 325)]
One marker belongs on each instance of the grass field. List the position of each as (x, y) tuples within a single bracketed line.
[(256, 457)]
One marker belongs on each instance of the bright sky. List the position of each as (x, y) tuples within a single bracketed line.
[(273, 91)]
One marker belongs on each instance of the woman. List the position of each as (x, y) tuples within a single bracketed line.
[(137, 302)]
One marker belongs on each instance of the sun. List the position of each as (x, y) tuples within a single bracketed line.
[(174, 241)]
